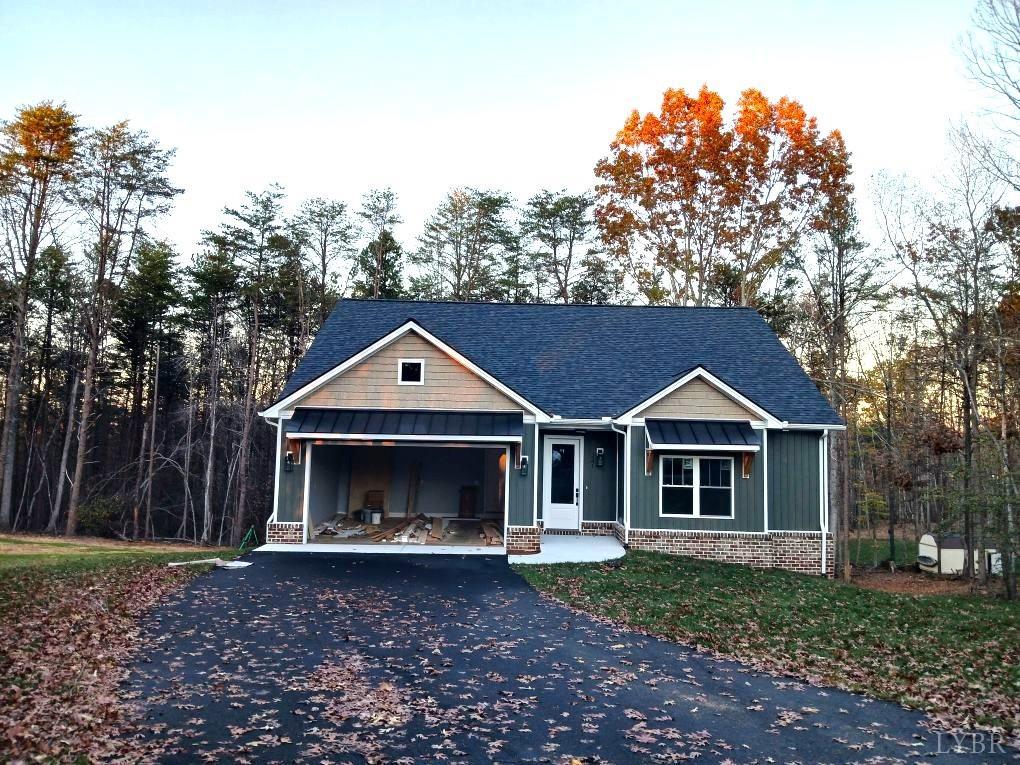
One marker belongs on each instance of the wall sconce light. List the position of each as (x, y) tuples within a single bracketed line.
[(600, 456), (524, 466), (288, 463)]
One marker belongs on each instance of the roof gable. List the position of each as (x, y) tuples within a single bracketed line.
[(372, 382), (579, 361), (368, 378), (697, 399)]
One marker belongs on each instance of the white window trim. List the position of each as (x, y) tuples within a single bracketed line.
[(697, 488), (400, 367)]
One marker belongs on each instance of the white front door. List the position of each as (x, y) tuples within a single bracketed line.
[(561, 493)]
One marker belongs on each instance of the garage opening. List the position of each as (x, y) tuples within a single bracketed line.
[(389, 494)]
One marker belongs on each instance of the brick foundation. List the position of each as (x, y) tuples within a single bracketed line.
[(791, 550), (523, 540), (279, 533)]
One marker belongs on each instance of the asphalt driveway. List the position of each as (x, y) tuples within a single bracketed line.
[(325, 658)]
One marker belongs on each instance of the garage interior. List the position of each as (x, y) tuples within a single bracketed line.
[(398, 494)]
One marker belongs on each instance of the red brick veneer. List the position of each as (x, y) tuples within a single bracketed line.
[(791, 550), (279, 533), (523, 540)]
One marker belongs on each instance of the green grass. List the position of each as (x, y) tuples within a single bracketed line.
[(57, 555), (952, 655), (867, 551)]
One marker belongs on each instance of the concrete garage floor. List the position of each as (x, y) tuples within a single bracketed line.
[(407, 659)]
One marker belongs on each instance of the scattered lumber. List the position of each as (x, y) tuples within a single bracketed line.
[(392, 531), (218, 562), (435, 529), (491, 534)]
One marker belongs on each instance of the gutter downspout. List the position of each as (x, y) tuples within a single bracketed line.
[(626, 480), (765, 475), (276, 476), (823, 445)]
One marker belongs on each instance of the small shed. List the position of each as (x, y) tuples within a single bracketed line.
[(942, 554)]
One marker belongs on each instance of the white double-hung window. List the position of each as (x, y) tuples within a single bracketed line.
[(696, 487)]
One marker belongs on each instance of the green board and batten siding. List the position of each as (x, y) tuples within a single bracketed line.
[(748, 511), (793, 486), (600, 492), (522, 488), (290, 507), (599, 482), (794, 491)]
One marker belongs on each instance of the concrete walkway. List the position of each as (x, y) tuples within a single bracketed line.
[(562, 548)]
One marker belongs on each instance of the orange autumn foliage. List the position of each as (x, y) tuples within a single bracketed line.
[(687, 191)]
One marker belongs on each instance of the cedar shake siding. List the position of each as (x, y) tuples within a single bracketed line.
[(697, 400), (372, 384)]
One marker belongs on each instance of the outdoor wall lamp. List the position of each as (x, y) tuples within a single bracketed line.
[(600, 456), (524, 466), (288, 462)]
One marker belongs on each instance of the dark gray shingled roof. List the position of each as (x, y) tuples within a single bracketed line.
[(586, 361), (406, 422)]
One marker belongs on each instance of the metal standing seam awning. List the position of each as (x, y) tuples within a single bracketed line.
[(701, 435), (405, 425)]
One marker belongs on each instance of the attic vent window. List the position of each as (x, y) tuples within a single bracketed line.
[(411, 371)]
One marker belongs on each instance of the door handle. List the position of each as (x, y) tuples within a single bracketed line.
[(577, 495)]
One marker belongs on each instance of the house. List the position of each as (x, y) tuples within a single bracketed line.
[(684, 430)]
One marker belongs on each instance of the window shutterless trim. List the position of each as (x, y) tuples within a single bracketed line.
[(696, 489), (400, 372)]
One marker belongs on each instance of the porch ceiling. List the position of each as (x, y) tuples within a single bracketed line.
[(405, 424)]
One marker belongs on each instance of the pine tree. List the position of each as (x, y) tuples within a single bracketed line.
[(378, 270)]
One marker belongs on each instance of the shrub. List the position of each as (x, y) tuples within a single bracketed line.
[(99, 516)]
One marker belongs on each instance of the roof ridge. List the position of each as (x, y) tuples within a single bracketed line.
[(406, 301)]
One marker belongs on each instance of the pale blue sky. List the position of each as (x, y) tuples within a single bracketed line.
[(331, 98)]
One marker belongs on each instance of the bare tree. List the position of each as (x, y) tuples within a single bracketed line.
[(947, 248), (37, 153), (325, 228), (123, 184)]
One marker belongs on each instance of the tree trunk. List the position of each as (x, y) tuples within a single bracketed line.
[(210, 462), (81, 455), (136, 504), (152, 439), (72, 405), (248, 415), (12, 398)]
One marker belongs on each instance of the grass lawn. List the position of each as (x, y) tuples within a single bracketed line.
[(69, 627), (867, 551), (955, 657)]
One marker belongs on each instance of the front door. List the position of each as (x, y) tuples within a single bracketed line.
[(561, 492)]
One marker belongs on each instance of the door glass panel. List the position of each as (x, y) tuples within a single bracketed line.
[(561, 484)]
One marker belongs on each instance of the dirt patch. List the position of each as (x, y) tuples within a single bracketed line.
[(914, 583)]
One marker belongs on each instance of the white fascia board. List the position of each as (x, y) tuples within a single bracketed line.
[(410, 326), (798, 426), (715, 382), (410, 438), (703, 447)]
